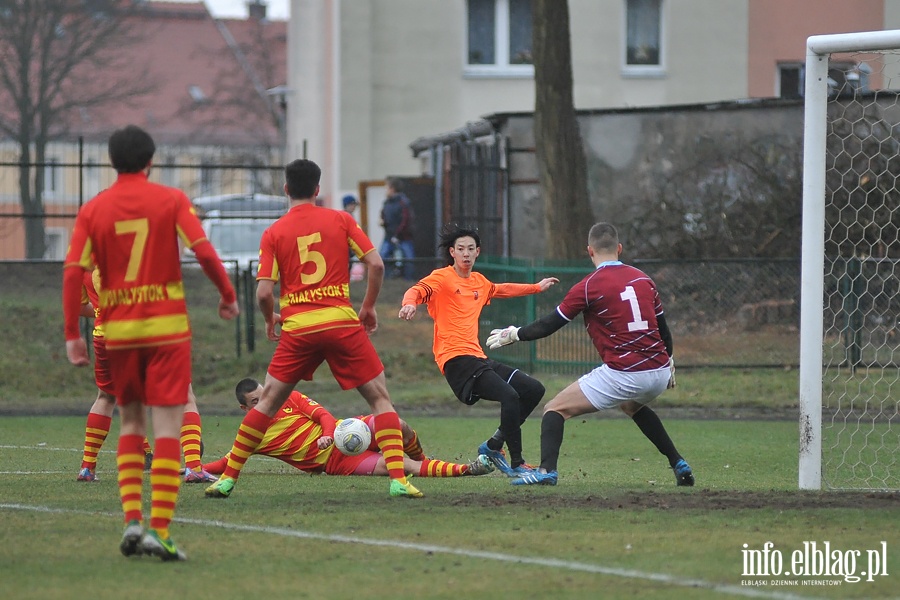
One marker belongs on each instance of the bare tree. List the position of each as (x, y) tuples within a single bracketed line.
[(736, 197), (560, 152), (56, 57)]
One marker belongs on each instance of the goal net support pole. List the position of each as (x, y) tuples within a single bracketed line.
[(818, 51)]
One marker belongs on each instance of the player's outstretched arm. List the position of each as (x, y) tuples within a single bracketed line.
[(547, 283), (533, 331)]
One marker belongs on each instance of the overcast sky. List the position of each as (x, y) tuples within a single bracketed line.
[(278, 9)]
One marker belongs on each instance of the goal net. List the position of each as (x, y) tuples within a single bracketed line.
[(850, 281)]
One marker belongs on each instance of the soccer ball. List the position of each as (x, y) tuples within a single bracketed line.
[(352, 436)]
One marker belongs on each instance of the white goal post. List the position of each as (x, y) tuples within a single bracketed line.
[(850, 374)]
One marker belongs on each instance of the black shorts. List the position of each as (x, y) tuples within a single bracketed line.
[(462, 371)]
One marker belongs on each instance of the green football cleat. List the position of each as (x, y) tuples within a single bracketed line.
[(220, 489), (131, 537), (165, 549), (482, 465), (404, 490)]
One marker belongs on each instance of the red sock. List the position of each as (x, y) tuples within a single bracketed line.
[(249, 437), (414, 449), (390, 441), (440, 468), (130, 461), (164, 484), (95, 431), (216, 467), (190, 440)]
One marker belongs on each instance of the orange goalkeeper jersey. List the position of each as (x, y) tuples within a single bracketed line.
[(455, 304)]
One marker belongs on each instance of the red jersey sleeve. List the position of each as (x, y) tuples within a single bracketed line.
[(190, 230), (268, 266)]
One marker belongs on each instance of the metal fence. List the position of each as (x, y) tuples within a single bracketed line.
[(39, 226), (724, 313)]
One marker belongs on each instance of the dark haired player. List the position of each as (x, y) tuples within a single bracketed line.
[(455, 296), (305, 251), (302, 435), (130, 232)]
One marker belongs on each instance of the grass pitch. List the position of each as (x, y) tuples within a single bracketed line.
[(615, 526)]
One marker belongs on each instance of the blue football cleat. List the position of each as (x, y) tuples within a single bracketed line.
[(684, 476), (536, 478)]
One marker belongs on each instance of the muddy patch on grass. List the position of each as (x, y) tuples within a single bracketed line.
[(692, 499)]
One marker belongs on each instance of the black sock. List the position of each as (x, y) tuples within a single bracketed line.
[(652, 427), (498, 435), (552, 428)]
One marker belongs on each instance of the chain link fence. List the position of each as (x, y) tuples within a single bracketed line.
[(724, 313)]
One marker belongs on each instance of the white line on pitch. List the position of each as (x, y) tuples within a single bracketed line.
[(39, 447), (34, 472), (497, 556)]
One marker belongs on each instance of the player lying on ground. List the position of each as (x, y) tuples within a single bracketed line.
[(623, 315), (302, 435)]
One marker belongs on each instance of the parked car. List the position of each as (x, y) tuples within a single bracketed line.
[(234, 223), (235, 205)]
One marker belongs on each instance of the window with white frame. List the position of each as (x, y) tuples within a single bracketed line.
[(790, 78), (55, 243), (643, 36), (210, 177), (52, 177), (499, 38), (90, 180)]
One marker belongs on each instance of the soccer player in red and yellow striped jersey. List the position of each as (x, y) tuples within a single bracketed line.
[(302, 435), (455, 296), (130, 232), (99, 417), (305, 252)]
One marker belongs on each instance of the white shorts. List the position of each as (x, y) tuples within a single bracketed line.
[(607, 388)]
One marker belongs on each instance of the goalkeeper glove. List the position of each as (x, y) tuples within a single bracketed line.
[(503, 337), (671, 383)]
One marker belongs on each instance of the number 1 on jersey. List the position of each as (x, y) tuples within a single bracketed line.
[(636, 324)]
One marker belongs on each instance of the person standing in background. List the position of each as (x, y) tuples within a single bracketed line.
[(397, 219)]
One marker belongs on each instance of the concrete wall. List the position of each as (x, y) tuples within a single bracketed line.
[(630, 153)]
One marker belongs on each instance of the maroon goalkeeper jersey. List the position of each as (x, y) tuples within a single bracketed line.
[(620, 304)]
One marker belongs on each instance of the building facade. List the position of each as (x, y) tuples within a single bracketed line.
[(366, 78)]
